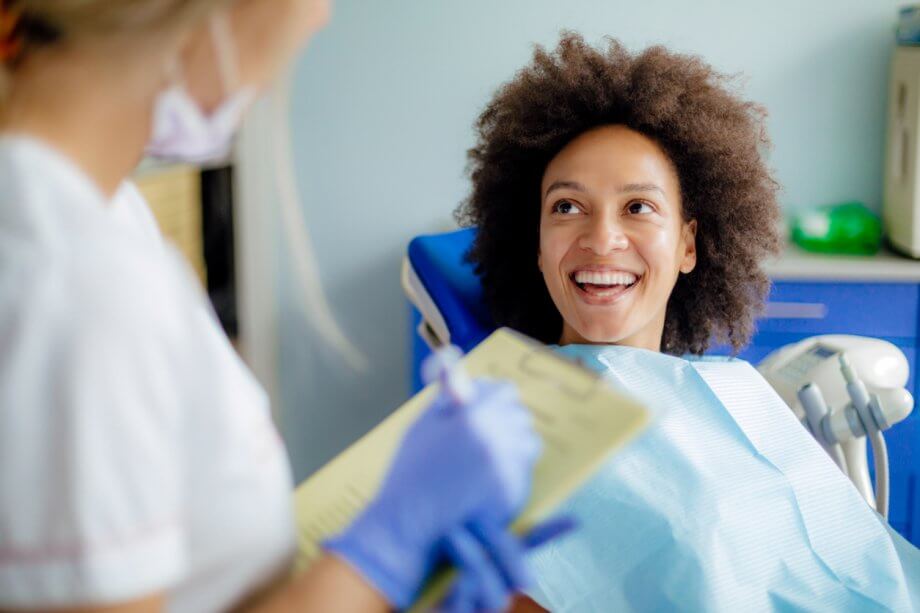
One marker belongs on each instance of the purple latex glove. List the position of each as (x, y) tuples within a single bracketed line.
[(456, 464), (491, 563)]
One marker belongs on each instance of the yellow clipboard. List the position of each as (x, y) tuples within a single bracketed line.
[(581, 420)]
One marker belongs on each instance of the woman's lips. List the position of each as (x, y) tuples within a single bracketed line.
[(601, 295)]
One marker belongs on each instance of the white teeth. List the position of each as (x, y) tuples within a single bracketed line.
[(605, 278)]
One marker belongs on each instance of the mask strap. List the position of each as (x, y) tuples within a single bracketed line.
[(225, 50), (173, 71)]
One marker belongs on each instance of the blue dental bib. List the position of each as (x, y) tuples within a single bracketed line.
[(726, 504)]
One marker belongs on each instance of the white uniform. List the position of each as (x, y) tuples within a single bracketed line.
[(137, 452)]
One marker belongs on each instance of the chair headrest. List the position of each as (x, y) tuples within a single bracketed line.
[(439, 262)]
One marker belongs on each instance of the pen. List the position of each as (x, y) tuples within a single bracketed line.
[(443, 366)]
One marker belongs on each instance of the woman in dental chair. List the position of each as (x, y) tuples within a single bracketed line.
[(624, 210)]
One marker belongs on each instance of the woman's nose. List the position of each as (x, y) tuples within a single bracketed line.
[(603, 237)]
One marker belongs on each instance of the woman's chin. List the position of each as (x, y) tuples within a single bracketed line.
[(596, 335)]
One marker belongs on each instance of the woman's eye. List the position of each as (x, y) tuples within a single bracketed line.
[(564, 207), (639, 208)]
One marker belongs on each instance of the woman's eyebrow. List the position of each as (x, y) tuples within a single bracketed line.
[(641, 187), (575, 185), (629, 187)]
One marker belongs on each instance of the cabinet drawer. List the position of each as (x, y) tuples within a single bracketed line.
[(867, 309)]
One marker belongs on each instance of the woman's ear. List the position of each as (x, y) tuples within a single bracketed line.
[(688, 263)]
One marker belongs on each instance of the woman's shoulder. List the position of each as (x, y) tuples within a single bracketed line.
[(88, 307), (88, 279)]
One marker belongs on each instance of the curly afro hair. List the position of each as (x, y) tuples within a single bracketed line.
[(713, 138)]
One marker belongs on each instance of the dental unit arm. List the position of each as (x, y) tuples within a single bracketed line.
[(845, 390)]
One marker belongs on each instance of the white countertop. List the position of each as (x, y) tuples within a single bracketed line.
[(884, 266)]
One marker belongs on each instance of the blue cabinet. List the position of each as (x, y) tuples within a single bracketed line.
[(882, 310)]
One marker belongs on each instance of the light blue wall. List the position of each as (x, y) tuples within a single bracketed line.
[(383, 107)]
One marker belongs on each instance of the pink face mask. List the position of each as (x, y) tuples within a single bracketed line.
[(181, 131)]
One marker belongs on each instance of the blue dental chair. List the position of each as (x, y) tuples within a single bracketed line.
[(443, 286), (448, 308)]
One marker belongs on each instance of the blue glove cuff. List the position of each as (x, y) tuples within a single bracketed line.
[(394, 567)]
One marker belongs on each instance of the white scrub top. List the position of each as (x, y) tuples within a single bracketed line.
[(137, 452)]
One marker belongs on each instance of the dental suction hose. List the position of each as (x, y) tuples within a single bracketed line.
[(880, 454), (816, 410), (865, 414)]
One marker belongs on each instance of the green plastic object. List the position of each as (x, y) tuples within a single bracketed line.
[(848, 228)]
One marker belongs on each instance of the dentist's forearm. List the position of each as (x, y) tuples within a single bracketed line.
[(329, 585)]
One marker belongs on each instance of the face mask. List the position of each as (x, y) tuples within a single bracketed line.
[(182, 132)]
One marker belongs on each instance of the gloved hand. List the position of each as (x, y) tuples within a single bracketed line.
[(456, 464), (491, 565)]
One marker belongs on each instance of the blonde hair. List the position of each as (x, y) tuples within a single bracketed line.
[(43, 23), (71, 19)]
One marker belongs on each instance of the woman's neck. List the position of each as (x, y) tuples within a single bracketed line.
[(94, 109), (648, 337)]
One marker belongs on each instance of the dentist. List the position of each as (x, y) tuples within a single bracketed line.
[(139, 466)]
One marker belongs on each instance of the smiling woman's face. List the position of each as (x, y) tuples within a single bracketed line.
[(613, 239)]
